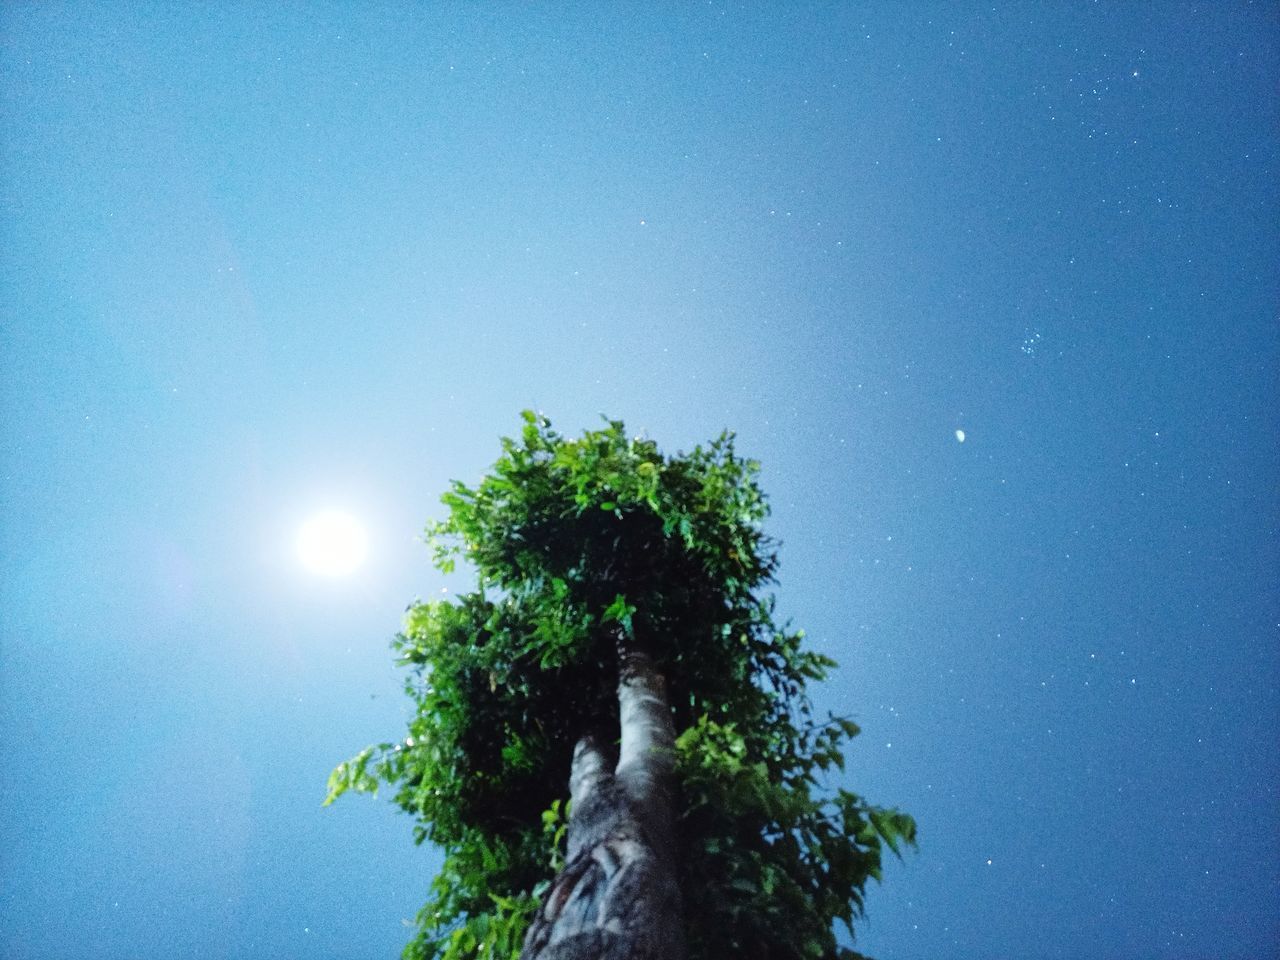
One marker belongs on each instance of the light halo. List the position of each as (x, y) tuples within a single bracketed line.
[(332, 543)]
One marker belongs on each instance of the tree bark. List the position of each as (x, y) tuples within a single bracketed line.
[(617, 897)]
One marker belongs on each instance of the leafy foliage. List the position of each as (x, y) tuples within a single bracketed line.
[(572, 539)]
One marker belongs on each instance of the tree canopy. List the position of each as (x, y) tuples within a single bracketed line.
[(572, 540)]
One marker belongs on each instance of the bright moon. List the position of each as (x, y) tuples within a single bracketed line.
[(332, 544)]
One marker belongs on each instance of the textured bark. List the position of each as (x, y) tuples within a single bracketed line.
[(617, 897)]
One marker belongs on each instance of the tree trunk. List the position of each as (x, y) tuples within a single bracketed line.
[(617, 896)]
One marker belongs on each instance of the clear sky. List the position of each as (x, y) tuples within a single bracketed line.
[(259, 260)]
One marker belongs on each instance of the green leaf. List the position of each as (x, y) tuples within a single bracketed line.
[(619, 611)]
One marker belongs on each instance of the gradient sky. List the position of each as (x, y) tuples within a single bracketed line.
[(260, 259)]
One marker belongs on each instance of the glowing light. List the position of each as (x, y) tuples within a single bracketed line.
[(332, 544), (960, 436)]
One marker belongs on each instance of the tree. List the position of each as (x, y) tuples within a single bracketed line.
[(620, 596)]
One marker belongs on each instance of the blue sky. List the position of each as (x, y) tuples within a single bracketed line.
[(258, 261)]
